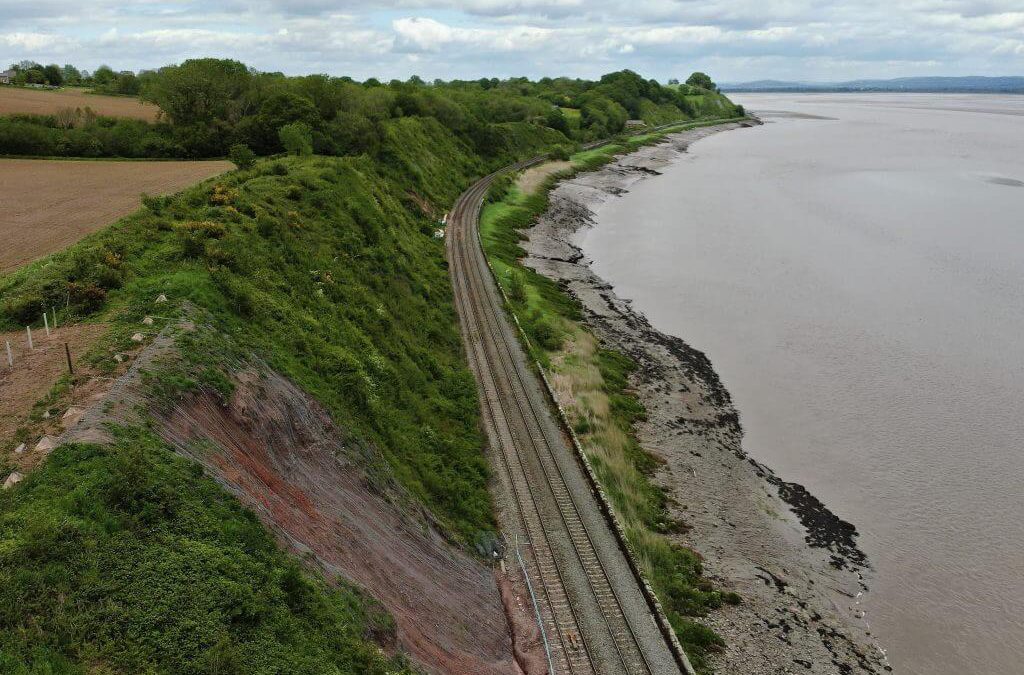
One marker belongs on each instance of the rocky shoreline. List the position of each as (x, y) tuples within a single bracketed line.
[(795, 563)]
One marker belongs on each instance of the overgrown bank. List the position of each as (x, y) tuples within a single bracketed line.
[(599, 403), (125, 559), (328, 270)]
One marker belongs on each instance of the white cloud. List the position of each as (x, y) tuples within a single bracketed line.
[(732, 39), (423, 34), (35, 42)]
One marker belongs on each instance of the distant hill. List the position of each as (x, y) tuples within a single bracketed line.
[(1010, 84)]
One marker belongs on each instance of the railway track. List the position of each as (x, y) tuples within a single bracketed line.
[(594, 613)]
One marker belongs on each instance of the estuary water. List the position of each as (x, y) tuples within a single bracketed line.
[(854, 269)]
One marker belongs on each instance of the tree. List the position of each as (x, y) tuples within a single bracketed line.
[(54, 75), (353, 134), (297, 138), (241, 156), (126, 83), (103, 76), (201, 91), (673, 81), (277, 108), (71, 75), (701, 80), (555, 119)]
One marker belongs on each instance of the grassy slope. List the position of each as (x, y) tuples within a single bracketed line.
[(125, 559), (327, 268), (603, 410)]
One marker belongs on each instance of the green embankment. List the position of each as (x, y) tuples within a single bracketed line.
[(326, 268), (604, 410), (126, 560)]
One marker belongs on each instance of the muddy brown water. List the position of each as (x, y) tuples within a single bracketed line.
[(855, 271)]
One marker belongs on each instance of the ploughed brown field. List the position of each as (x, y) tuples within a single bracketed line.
[(47, 205), (47, 102)]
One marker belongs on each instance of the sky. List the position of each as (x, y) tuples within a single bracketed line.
[(732, 40)]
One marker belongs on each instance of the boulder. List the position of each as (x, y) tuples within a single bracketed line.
[(72, 416), (15, 478)]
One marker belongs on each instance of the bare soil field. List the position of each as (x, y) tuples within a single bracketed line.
[(32, 377), (47, 102), (48, 205)]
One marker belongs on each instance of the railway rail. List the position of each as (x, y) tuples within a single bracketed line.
[(590, 601)]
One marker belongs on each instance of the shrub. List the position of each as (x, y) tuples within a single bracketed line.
[(517, 287), (86, 296), (561, 153), (24, 309), (297, 138), (193, 236), (241, 156), (543, 333), (222, 195), (155, 203)]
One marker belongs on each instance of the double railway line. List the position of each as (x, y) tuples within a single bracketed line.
[(590, 602)]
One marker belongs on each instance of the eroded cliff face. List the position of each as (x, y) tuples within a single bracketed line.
[(278, 452), (329, 499)]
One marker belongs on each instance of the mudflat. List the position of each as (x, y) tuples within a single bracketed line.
[(853, 269), (46, 102), (48, 205), (797, 566)]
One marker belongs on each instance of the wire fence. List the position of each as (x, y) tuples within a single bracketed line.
[(536, 606)]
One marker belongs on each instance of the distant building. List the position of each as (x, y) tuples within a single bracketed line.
[(635, 124), (8, 76)]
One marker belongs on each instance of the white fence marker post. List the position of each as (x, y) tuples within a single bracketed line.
[(28, 329), (10, 359), (46, 324)]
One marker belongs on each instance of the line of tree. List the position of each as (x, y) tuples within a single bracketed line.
[(211, 105), (103, 80)]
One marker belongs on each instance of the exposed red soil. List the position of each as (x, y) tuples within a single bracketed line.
[(277, 450)]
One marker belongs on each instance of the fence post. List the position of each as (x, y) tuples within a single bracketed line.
[(10, 359), (46, 324), (67, 353), (28, 329)]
